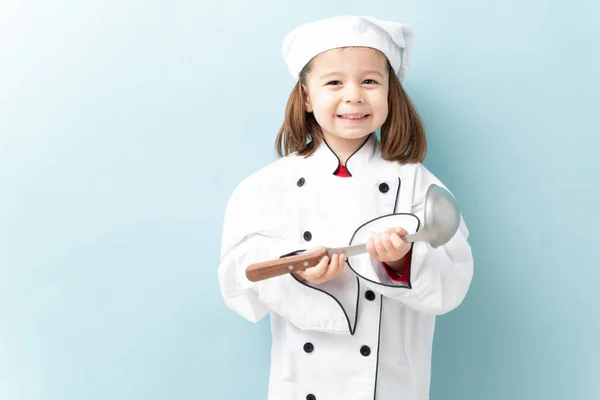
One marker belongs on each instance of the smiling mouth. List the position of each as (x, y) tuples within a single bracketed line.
[(353, 116)]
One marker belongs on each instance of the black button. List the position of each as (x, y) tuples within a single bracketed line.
[(300, 182), (365, 351), (308, 347), (383, 188), (307, 236), (311, 397), (370, 295)]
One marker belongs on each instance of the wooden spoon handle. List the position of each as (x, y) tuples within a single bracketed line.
[(269, 269)]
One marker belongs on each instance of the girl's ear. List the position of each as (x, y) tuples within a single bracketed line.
[(306, 99)]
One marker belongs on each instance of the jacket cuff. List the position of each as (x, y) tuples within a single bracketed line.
[(403, 277)]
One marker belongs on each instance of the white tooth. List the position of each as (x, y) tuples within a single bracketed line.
[(354, 116)]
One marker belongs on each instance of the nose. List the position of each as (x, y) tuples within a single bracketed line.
[(353, 94)]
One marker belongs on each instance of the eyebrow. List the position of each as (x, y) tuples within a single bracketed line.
[(372, 71), (337, 73)]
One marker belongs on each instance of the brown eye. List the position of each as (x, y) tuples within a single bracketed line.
[(370, 82), (334, 83)]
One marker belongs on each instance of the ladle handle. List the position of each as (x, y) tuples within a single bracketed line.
[(415, 237), (269, 269)]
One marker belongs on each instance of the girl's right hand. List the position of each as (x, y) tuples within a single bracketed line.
[(325, 271)]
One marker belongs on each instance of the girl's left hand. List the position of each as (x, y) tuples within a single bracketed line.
[(388, 247)]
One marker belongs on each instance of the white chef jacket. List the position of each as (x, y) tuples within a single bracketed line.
[(362, 335)]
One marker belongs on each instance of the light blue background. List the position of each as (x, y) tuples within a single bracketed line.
[(124, 127)]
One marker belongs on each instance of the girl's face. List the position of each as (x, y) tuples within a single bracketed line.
[(347, 91)]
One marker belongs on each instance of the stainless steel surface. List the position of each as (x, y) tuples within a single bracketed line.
[(349, 251), (441, 218)]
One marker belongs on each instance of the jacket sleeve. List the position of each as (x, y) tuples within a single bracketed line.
[(436, 280), (252, 233)]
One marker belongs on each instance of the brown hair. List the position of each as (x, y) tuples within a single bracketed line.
[(402, 134)]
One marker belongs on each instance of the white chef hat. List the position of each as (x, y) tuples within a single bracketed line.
[(394, 40)]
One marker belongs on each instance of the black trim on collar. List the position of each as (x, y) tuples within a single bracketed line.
[(339, 161), (336, 156)]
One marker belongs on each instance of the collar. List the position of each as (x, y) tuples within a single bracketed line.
[(326, 160)]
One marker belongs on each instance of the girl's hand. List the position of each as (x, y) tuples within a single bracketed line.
[(388, 247), (325, 271)]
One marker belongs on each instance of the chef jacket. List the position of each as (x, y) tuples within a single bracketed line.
[(368, 333)]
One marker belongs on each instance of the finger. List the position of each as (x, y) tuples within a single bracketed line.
[(371, 248), (397, 241), (330, 271), (388, 245), (320, 268), (309, 276), (316, 271), (342, 263), (379, 246), (335, 267)]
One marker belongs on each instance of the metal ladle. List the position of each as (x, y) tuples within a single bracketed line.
[(440, 223), (441, 218)]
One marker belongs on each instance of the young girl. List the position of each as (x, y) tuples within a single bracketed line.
[(358, 328)]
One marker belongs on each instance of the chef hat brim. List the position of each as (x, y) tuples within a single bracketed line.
[(394, 40)]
